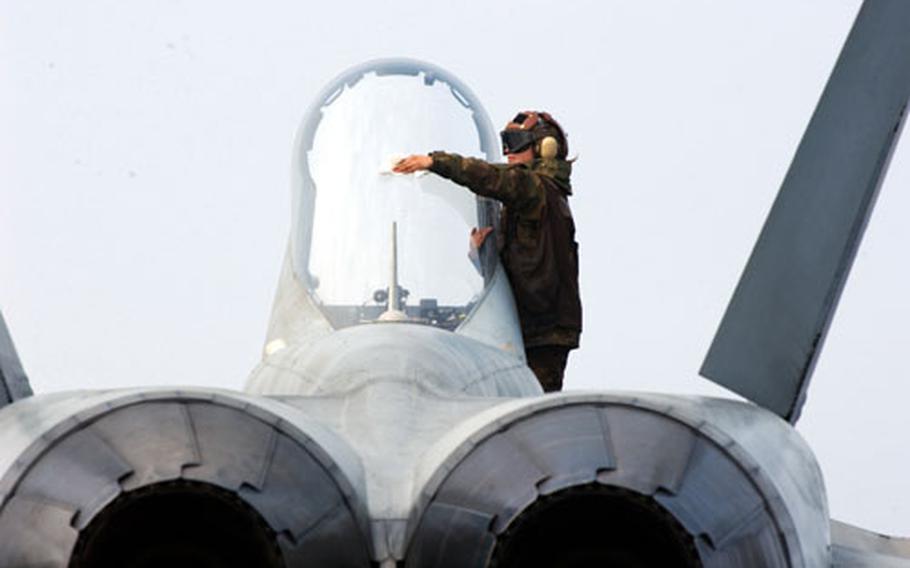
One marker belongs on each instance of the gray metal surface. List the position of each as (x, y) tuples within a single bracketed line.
[(853, 547), (736, 477), (295, 319), (771, 335), (426, 358), (397, 444), (447, 459), (13, 381), (96, 447), (494, 320), (391, 390), (390, 424)]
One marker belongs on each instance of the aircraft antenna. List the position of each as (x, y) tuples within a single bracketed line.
[(392, 313)]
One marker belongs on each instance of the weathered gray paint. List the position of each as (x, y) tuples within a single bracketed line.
[(771, 335), (494, 320), (391, 442), (295, 318), (13, 381), (388, 450), (853, 547), (445, 363), (68, 455), (727, 470)]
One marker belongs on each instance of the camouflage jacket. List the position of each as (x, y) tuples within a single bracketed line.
[(536, 240)]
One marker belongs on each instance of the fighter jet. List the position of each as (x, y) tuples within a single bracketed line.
[(392, 420)]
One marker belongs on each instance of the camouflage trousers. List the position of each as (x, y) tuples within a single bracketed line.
[(548, 362)]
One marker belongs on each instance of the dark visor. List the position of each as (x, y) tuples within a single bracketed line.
[(515, 140)]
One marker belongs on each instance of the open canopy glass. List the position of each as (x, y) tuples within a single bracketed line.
[(366, 235)]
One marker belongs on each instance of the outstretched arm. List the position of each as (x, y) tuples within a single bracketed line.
[(516, 186)]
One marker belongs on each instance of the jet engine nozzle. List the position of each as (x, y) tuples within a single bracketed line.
[(580, 479), (179, 524), (174, 478), (595, 525)]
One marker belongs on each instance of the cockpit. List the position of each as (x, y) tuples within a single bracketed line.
[(370, 245)]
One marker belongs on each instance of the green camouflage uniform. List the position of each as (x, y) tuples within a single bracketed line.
[(538, 250)]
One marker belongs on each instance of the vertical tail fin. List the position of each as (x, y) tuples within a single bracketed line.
[(772, 333), (13, 381)]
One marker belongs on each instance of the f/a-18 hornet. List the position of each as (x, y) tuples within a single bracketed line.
[(392, 420)]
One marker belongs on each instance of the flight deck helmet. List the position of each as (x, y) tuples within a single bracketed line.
[(535, 128)]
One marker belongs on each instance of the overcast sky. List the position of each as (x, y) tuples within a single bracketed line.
[(144, 201)]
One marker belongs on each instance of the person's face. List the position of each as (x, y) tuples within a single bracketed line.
[(523, 121), (526, 156)]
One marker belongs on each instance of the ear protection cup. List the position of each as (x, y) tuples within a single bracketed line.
[(548, 148)]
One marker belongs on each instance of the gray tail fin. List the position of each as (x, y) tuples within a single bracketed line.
[(13, 381), (774, 327), (853, 547)]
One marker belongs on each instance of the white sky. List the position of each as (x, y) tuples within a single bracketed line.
[(145, 149)]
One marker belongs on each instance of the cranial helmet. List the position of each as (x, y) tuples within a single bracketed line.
[(537, 128)]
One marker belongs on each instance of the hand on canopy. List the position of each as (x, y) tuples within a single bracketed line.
[(413, 163)]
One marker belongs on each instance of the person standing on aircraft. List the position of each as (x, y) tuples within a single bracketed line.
[(536, 240)]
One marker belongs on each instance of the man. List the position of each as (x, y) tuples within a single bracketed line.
[(536, 240)]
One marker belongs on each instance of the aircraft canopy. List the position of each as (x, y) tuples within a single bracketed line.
[(347, 200)]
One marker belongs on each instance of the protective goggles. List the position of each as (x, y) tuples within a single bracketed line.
[(514, 141)]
